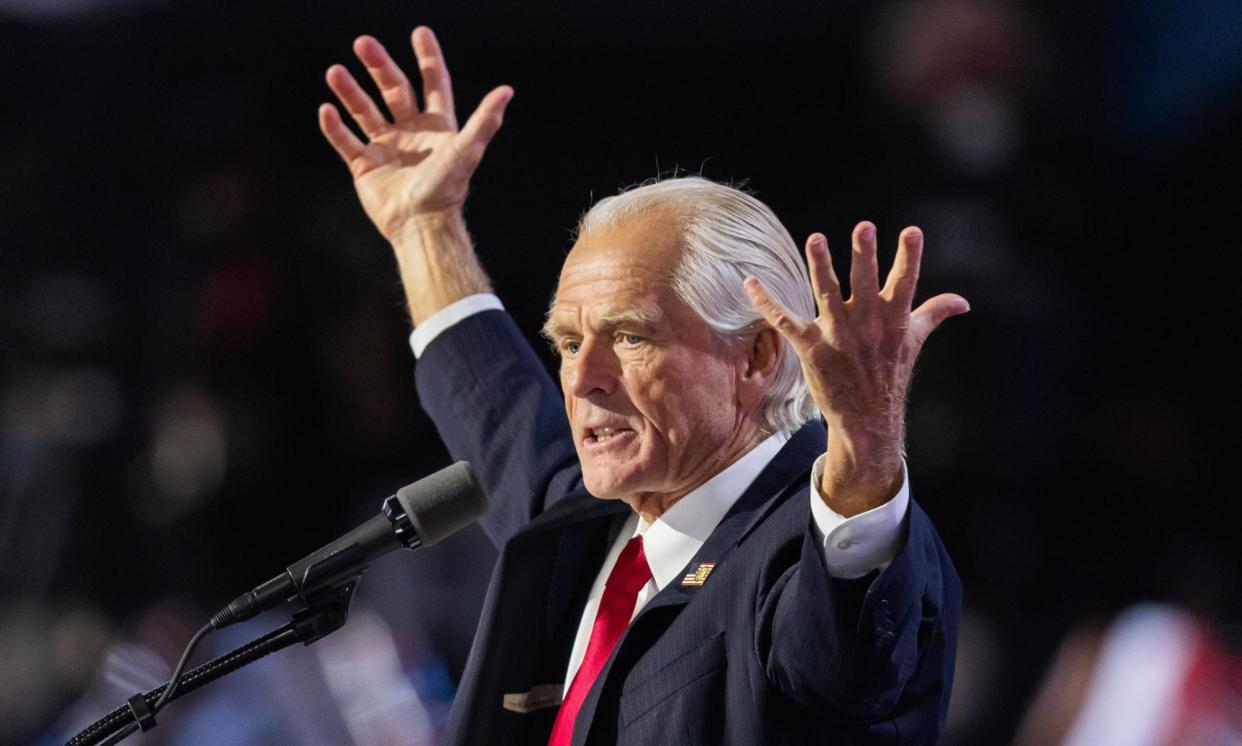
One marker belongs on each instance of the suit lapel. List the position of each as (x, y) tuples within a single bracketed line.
[(529, 618), (792, 463), (576, 530), (580, 549)]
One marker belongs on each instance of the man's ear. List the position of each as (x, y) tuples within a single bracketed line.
[(757, 371)]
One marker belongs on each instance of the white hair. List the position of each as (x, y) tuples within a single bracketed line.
[(727, 236)]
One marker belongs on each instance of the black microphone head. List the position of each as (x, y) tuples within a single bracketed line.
[(444, 502)]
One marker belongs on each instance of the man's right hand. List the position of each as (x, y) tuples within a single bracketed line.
[(419, 164)]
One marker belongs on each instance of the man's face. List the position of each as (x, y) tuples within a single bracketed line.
[(650, 390)]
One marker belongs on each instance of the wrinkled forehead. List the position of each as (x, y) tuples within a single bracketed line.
[(626, 268), (646, 246)]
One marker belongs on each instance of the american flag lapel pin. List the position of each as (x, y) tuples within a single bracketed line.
[(696, 578)]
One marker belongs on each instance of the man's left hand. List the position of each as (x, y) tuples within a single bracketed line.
[(858, 357)]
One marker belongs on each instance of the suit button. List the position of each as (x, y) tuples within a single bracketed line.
[(881, 614), (884, 639)]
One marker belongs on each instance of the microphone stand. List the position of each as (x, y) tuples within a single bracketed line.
[(322, 613)]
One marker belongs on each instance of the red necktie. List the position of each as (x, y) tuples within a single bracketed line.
[(627, 578)]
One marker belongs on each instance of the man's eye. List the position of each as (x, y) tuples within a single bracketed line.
[(633, 340), (570, 347)]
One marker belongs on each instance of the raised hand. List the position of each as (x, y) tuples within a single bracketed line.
[(420, 162), (858, 357)]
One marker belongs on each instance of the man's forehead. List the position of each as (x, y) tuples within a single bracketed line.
[(612, 314), (619, 273), (639, 300)]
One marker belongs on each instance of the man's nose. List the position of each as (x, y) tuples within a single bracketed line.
[(593, 370)]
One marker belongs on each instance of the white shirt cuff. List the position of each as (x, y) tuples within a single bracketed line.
[(857, 545), (435, 324)]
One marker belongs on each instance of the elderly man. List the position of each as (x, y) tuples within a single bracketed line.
[(690, 556)]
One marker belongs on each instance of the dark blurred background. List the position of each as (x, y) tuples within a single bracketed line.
[(204, 369)]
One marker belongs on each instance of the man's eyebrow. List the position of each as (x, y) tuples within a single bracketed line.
[(628, 317), (552, 329), (634, 317)]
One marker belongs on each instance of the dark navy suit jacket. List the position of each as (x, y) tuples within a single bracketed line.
[(769, 650)]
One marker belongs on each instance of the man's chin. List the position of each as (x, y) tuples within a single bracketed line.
[(605, 487), (604, 493)]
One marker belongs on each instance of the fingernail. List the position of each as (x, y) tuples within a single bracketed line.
[(868, 232)]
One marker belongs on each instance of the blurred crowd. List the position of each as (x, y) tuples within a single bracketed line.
[(204, 371)]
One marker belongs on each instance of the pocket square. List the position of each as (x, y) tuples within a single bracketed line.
[(538, 698)]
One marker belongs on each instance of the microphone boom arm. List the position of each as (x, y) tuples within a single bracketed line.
[(325, 612)]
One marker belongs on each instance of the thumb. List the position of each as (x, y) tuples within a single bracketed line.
[(932, 313)]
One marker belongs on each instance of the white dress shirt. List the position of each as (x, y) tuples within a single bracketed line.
[(852, 547)]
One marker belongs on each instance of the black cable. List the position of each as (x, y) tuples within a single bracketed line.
[(231, 661), (169, 688), (176, 677)]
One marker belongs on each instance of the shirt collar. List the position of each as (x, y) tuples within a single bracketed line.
[(680, 531)]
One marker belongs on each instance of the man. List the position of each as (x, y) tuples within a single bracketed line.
[(687, 559)]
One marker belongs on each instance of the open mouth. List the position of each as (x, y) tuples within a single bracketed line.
[(599, 436)]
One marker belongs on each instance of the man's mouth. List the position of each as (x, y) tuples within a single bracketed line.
[(601, 435)]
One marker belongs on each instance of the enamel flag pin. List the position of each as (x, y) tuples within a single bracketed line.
[(696, 578)]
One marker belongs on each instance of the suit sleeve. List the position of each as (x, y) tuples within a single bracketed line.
[(495, 406), (874, 650)]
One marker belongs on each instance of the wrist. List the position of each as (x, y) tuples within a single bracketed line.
[(437, 262), (413, 232), (860, 473)]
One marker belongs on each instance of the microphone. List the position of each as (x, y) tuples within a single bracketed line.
[(420, 514)]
